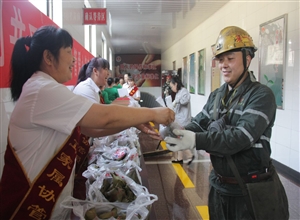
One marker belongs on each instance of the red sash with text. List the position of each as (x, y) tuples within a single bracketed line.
[(82, 159), (101, 98), (36, 200), (133, 91)]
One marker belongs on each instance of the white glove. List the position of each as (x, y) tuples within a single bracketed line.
[(186, 140), (163, 131)]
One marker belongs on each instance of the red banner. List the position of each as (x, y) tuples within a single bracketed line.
[(21, 18), (94, 16)]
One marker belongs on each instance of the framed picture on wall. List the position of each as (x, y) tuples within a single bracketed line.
[(179, 73), (192, 79), (272, 60), (184, 72), (215, 73), (201, 72)]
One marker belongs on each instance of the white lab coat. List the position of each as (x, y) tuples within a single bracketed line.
[(182, 108)]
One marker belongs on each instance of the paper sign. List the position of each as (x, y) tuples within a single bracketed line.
[(123, 92), (161, 101), (169, 102)]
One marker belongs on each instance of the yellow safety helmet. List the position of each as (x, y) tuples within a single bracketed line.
[(233, 38)]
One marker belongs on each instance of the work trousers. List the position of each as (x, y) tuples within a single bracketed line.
[(223, 207)]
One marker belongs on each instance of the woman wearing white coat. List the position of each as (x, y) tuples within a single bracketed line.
[(182, 109)]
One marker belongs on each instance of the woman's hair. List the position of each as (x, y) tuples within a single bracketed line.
[(176, 79), (110, 81), (28, 52), (87, 69), (130, 78), (117, 80)]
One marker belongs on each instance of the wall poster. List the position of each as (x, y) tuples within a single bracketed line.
[(201, 72), (144, 68), (272, 61), (184, 72), (192, 80), (215, 73)]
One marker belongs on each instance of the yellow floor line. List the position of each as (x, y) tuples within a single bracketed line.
[(186, 181), (203, 211), (151, 123)]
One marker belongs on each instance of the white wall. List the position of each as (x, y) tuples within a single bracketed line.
[(249, 15)]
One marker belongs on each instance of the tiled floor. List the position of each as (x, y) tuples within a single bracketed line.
[(182, 190)]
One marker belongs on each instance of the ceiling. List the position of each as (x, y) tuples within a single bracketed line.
[(152, 26)]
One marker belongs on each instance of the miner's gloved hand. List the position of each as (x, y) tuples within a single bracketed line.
[(186, 140)]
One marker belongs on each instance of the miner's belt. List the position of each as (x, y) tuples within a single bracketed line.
[(247, 179)]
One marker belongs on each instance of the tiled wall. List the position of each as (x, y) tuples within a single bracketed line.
[(249, 15)]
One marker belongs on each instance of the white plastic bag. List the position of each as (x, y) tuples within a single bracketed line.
[(80, 207), (135, 210), (139, 205)]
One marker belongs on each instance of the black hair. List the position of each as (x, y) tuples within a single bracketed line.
[(87, 69), (176, 79), (28, 52), (131, 78), (117, 80), (110, 81)]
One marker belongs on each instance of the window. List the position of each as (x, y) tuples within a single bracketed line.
[(46, 7), (41, 5), (110, 57), (104, 46), (87, 30)]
